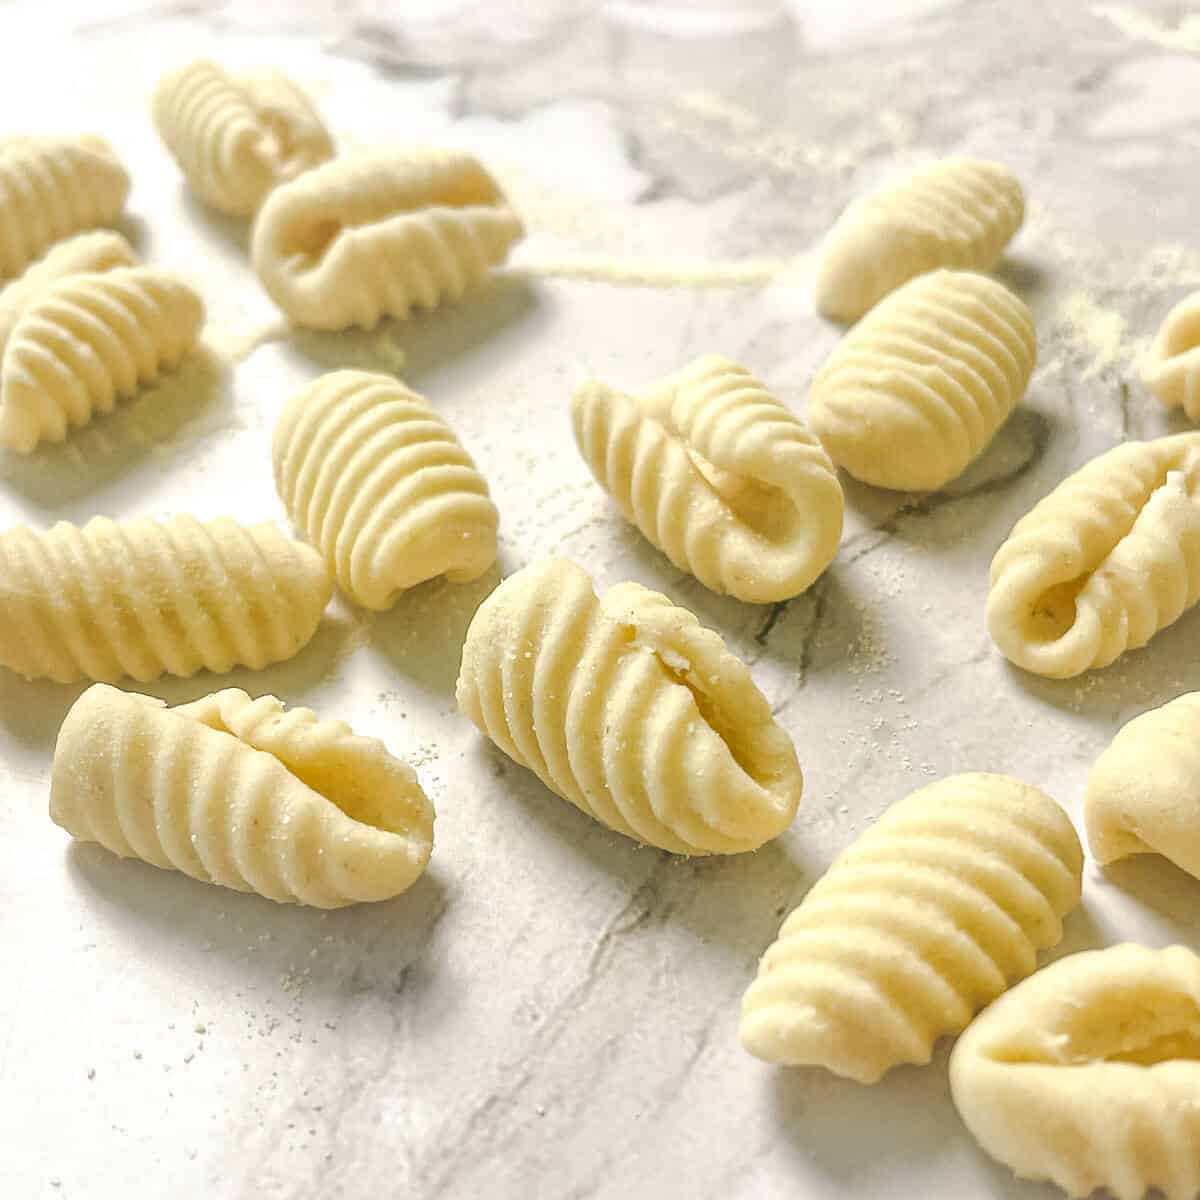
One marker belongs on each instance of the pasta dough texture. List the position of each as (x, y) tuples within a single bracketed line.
[(1171, 369), (915, 392), (1087, 1074), (237, 138), (381, 486), (1102, 563), (146, 598), (379, 234), (717, 474), (630, 709), (960, 212), (87, 341), (51, 188), (242, 793), (926, 918)]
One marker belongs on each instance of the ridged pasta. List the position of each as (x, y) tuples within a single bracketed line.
[(379, 234), (146, 598), (236, 138), (630, 709), (1102, 563), (1171, 369), (915, 392), (927, 917), (52, 187), (1087, 1074), (242, 793), (960, 212), (87, 341), (717, 474), (380, 485)]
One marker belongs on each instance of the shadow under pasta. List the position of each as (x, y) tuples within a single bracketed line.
[(233, 230)]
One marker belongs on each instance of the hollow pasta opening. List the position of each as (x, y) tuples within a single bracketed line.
[(310, 242), (765, 510), (1053, 613), (1166, 1047)]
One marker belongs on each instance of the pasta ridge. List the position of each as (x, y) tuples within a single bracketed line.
[(1171, 368)]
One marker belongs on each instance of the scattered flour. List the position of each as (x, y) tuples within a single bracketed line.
[(1096, 335)]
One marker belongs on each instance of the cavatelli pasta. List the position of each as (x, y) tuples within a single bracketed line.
[(381, 486), (1171, 369), (242, 793), (146, 598), (718, 475), (928, 916)]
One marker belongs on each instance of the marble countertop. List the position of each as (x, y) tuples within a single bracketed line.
[(552, 1010)]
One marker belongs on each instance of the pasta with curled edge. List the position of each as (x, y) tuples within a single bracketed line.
[(1102, 563), (630, 709), (379, 234), (242, 793), (1171, 369), (1087, 1074), (146, 598), (717, 474), (381, 486), (960, 212), (915, 392), (928, 916), (87, 341)]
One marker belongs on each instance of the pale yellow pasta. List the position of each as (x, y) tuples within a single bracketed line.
[(381, 233), (630, 709), (717, 474), (87, 341), (915, 392), (235, 138), (1171, 369), (380, 485), (1087, 1074), (927, 917), (960, 212), (242, 793), (1102, 563), (146, 598)]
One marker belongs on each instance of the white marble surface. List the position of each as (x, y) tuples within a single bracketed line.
[(551, 1012)]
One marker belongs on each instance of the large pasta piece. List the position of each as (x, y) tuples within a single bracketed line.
[(1171, 369), (915, 392), (381, 486), (922, 921), (960, 212), (379, 234), (87, 341), (146, 598), (237, 138), (1087, 1074), (630, 709), (719, 475), (53, 187), (1102, 563), (242, 793)]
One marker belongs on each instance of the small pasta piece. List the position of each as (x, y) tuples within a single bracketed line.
[(630, 709), (915, 392), (717, 474), (87, 341), (1171, 369), (960, 212), (236, 138), (922, 921), (146, 598), (380, 485), (242, 793), (1102, 563), (1087, 1074), (53, 187), (376, 235)]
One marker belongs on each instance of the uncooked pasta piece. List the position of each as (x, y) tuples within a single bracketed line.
[(1171, 369), (146, 598), (87, 341), (630, 709), (242, 793), (1102, 563), (379, 234), (1088, 1074), (381, 486), (960, 212), (719, 475), (915, 392), (927, 917)]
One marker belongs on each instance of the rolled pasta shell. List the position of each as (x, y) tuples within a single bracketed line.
[(1171, 369)]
